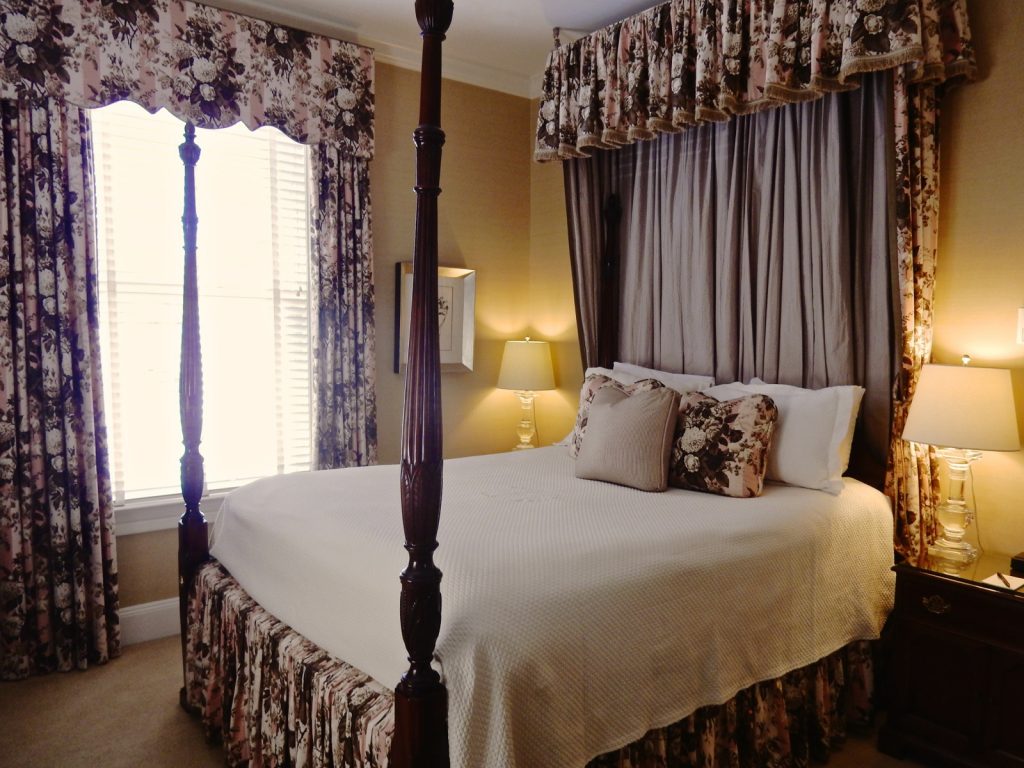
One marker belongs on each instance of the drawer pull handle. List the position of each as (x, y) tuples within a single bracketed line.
[(936, 604)]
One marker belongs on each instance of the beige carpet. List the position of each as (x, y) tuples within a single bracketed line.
[(127, 714)]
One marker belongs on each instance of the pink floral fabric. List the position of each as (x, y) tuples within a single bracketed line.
[(591, 385), (722, 446), (274, 698), (58, 564), (210, 67), (783, 723), (686, 62), (912, 480)]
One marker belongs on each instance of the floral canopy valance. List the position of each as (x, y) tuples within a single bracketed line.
[(687, 62), (210, 67)]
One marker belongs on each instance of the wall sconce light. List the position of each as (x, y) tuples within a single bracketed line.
[(526, 368), (1020, 325)]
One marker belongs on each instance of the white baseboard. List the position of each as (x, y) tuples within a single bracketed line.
[(149, 621)]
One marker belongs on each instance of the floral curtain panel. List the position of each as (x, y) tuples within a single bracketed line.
[(209, 67), (694, 61), (58, 573), (341, 273), (58, 567), (912, 479)]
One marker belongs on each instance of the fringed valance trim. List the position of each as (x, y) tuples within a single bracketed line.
[(210, 67), (685, 63)]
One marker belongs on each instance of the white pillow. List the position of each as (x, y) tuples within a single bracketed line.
[(680, 382), (814, 433), (856, 397)]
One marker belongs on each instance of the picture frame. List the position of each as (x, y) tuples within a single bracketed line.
[(456, 298)]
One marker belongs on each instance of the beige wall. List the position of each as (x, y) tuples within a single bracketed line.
[(484, 224), (147, 567), (980, 278)]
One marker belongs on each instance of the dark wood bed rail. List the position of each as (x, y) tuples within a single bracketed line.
[(421, 700), (193, 543)]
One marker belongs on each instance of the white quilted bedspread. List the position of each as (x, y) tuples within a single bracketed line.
[(577, 615)]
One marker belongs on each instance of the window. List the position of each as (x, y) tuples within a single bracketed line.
[(253, 260)]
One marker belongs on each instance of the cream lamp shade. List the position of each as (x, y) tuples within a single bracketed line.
[(526, 366), (959, 406)]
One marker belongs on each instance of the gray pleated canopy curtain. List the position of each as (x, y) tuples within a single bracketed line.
[(58, 564), (797, 244)]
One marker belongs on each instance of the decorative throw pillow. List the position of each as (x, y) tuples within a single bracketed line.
[(623, 377), (811, 447), (722, 447), (628, 438), (591, 385)]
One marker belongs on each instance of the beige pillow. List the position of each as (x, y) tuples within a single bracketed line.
[(591, 385), (628, 438)]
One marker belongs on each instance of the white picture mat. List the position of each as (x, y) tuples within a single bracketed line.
[(456, 293)]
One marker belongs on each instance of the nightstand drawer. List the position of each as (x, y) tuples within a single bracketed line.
[(996, 616)]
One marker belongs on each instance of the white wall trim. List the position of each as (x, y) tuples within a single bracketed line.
[(160, 514), (462, 70), (399, 55), (149, 621)]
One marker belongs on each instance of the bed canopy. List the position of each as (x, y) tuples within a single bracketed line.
[(683, 64)]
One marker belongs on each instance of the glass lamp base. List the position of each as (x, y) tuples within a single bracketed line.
[(525, 429), (953, 515), (956, 553)]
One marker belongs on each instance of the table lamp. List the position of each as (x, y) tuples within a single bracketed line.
[(526, 368), (962, 411)]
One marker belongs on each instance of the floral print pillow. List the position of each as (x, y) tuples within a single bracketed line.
[(591, 385), (722, 447)]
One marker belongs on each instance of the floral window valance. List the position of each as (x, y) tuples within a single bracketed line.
[(687, 62), (211, 67)]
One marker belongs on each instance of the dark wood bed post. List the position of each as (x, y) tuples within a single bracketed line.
[(193, 544), (421, 702), (608, 310)]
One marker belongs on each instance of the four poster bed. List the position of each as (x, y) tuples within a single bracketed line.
[(585, 623)]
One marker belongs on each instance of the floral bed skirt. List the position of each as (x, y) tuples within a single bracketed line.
[(276, 699)]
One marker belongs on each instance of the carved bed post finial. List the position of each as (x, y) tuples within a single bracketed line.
[(193, 544), (421, 703)]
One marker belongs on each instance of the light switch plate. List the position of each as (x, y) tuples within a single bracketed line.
[(1020, 325)]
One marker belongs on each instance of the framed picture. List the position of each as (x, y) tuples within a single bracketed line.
[(456, 306)]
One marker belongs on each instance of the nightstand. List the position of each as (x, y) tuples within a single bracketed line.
[(956, 673)]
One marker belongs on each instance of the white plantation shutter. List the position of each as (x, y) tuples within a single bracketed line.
[(253, 258)]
